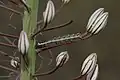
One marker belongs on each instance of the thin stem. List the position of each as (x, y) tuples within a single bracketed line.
[(11, 15), (41, 63), (40, 66), (51, 47), (68, 40), (5, 76), (78, 77), (59, 26), (5, 54), (12, 10), (9, 69), (51, 56), (8, 45), (8, 35), (13, 2), (10, 25), (2, 2), (39, 22), (35, 34), (9, 41), (26, 6), (49, 29), (86, 35), (47, 73)]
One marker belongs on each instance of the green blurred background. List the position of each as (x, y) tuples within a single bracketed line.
[(106, 44)]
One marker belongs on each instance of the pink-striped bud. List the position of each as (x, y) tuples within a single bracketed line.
[(23, 43)]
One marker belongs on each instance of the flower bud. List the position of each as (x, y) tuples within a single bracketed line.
[(97, 21), (14, 63), (49, 13), (62, 58), (94, 16), (23, 43), (65, 1), (93, 74), (89, 64)]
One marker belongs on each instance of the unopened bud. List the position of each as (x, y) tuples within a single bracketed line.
[(23, 43), (62, 58), (89, 64), (97, 21), (14, 63), (49, 13), (93, 74), (94, 16), (65, 1)]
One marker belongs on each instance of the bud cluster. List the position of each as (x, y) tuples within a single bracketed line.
[(97, 21)]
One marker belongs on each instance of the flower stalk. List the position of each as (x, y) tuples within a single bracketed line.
[(29, 25)]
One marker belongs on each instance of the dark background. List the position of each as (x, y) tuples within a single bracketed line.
[(105, 44)]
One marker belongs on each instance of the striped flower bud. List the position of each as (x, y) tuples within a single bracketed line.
[(49, 13), (65, 1), (23, 43), (62, 58), (14, 63), (89, 64), (97, 21), (93, 74)]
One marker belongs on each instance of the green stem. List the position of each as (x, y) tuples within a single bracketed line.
[(29, 25)]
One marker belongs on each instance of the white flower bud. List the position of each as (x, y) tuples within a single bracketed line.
[(62, 58), (93, 74), (65, 1), (23, 43), (100, 23), (89, 64), (97, 21), (14, 63), (49, 13), (94, 16)]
